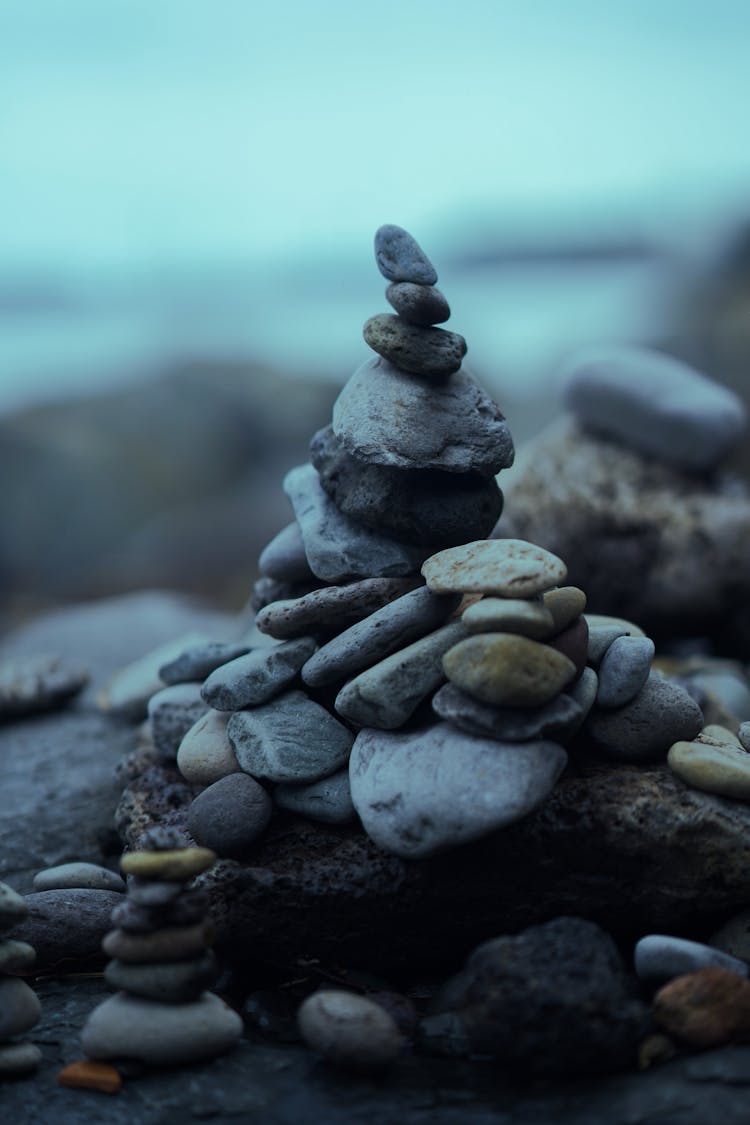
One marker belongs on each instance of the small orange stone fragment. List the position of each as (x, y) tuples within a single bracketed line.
[(86, 1075)]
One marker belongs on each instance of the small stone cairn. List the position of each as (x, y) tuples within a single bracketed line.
[(19, 1006), (162, 1014), (382, 589)]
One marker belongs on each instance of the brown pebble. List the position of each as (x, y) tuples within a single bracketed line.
[(176, 943), (705, 1008), (573, 642), (86, 1075)]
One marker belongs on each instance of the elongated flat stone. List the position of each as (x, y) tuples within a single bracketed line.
[(198, 661), (388, 693), (662, 957), (512, 568), (254, 679), (556, 720), (509, 615), (336, 547), (624, 670), (329, 800), (292, 738), (67, 875), (332, 607), (284, 558), (419, 793), (367, 642), (508, 670), (714, 768), (430, 352), (386, 417), (400, 257)]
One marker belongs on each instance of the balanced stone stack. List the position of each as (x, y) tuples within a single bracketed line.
[(161, 964), (19, 1007)]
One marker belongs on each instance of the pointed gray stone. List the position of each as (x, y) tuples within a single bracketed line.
[(196, 662), (292, 738), (401, 258), (557, 719), (624, 670), (253, 679)]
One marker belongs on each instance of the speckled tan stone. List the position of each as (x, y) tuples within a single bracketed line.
[(509, 567)]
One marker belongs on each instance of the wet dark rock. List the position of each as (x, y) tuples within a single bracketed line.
[(66, 927)]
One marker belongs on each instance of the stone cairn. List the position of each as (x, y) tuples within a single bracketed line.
[(162, 1014), (19, 1006), (382, 589)]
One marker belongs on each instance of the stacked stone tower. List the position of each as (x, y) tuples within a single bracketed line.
[(19, 1006)]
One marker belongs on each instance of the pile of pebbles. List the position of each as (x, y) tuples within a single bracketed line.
[(162, 965), (19, 1006)]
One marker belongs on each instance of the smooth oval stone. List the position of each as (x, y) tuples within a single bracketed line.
[(331, 608), (512, 568), (170, 864), (19, 1007), (565, 603), (430, 352), (348, 1030), (659, 957), (713, 768), (573, 642), (600, 639), (205, 754), (604, 620), (16, 955), (30, 684), (367, 642), (174, 943), (384, 416), (18, 1058), (230, 815), (329, 800), (509, 670), (171, 714), (743, 735), (284, 557), (65, 927), (160, 1034), (418, 304), (171, 982), (422, 792), (13, 907), (399, 257), (556, 720), (254, 679), (509, 615), (655, 404), (624, 670), (198, 661), (290, 739), (661, 714), (389, 692), (78, 875)]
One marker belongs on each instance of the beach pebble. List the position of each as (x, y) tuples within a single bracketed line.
[(661, 714), (329, 800), (418, 304), (83, 1074), (512, 568), (430, 352), (267, 590), (655, 404), (565, 603), (573, 642), (721, 769), (230, 815), (624, 670), (660, 957), (171, 982), (420, 793), (292, 738), (257, 677), (160, 1034), (399, 257), (171, 714), (144, 892), (605, 621), (337, 548), (19, 1007), (744, 735), (391, 627), (349, 1031), (66, 926), (198, 661), (127, 694), (18, 1058), (173, 943), (13, 907), (16, 955), (284, 557), (508, 670), (187, 908), (389, 692), (716, 735), (78, 875), (704, 1008), (601, 637), (556, 720), (205, 754), (332, 608), (30, 684), (384, 416), (509, 615), (173, 864)]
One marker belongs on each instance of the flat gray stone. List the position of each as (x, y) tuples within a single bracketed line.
[(198, 661), (30, 684), (292, 738), (510, 615), (430, 352), (284, 558), (169, 982), (400, 257), (418, 304), (19, 1007), (328, 801), (644, 729), (337, 548), (254, 679), (556, 720), (660, 957), (624, 670), (392, 627), (17, 1059), (331, 608), (386, 417), (230, 815), (655, 404), (512, 568), (67, 875), (171, 714), (388, 693), (417, 794), (67, 926)]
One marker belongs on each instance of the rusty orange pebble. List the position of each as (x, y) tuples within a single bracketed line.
[(86, 1075)]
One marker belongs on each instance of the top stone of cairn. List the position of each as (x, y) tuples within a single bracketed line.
[(400, 258)]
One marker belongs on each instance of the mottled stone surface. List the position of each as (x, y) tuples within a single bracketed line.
[(331, 608), (513, 568), (430, 352), (418, 304), (399, 256)]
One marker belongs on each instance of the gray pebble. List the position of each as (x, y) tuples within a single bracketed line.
[(338, 548), (584, 690), (624, 670), (660, 957), (391, 627), (128, 692), (431, 352), (19, 1007), (170, 982), (420, 793), (205, 753), (16, 955), (556, 720), (418, 304), (290, 739), (254, 679), (187, 908), (400, 257), (744, 735), (389, 692), (78, 875), (18, 1058), (230, 815), (349, 1030), (267, 590), (153, 892), (600, 639), (644, 729), (171, 714), (329, 800), (385, 417), (13, 907), (199, 661), (29, 684), (331, 608), (284, 557)]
